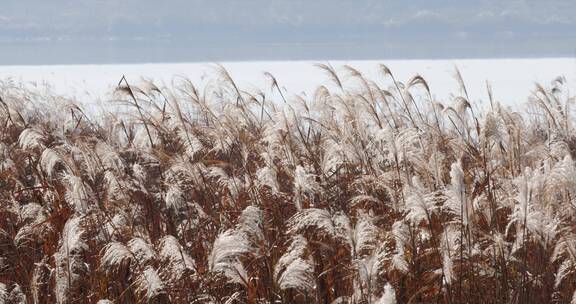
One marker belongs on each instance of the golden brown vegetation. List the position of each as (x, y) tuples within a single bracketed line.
[(365, 192)]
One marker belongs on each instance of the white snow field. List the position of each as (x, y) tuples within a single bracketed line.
[(512, 80)]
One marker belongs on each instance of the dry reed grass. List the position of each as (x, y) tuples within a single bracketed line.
[(367, 192)]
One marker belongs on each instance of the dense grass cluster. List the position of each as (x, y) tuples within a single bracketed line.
[(366, 192)]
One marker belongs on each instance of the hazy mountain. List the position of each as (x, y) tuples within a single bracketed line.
[(85, 31)]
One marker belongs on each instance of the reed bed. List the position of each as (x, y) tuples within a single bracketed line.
[(367, 191)]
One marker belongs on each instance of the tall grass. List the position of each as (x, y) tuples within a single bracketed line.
[(369, 191)]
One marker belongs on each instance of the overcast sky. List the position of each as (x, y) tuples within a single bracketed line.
[(109, 31)]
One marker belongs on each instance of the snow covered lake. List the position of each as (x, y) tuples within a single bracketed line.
[(512, 79)]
